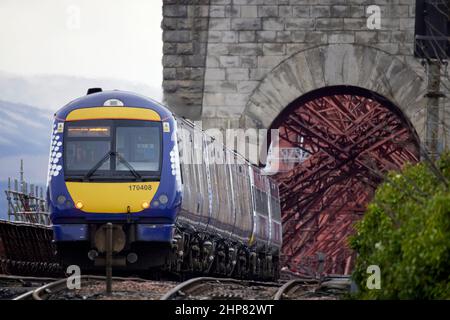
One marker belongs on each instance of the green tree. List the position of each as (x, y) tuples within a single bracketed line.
[(406, 232)]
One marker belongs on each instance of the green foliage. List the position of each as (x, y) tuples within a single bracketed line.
[(406, 232)]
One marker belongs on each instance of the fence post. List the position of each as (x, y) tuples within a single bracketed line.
[(109, 248)]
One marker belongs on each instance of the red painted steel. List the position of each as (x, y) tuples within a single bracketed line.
[(352, 141)]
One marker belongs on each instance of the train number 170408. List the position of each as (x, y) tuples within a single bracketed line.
[(140, 187)]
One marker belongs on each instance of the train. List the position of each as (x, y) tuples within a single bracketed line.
[(122, 161)]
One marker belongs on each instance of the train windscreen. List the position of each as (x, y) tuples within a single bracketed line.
[(112, 149)]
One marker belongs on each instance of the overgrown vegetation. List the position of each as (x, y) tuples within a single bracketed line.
[(406, 232)]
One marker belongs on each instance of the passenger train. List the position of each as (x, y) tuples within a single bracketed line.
[(122, 158)]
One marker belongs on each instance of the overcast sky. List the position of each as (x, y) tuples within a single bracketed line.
[(118, 39), (51, 51)]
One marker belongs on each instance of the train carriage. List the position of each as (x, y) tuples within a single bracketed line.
[(122, 158)]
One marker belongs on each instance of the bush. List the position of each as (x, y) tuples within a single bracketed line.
[(406, 232)]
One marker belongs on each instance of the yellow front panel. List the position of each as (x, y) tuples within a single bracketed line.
[(112, 197), (113, 113)]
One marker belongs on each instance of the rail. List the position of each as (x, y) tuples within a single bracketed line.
[(196, 285), (209, 286), (14, 285), (43, 292), (292, 285), (299, 287)]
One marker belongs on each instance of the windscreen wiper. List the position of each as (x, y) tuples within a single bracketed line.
[(129, 166), (105, 158), (98, 165)]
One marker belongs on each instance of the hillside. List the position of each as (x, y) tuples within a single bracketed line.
[(24, 134)]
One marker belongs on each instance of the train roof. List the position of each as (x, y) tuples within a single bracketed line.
[(98, 99)]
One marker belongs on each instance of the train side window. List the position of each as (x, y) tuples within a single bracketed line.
[(275, 209), (261, 205), (265, 203)]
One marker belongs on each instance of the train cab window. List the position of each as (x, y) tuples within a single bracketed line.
[(112, 150), (83, 155), (86, 146), (139, 146)]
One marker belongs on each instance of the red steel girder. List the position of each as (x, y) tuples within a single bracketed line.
[(352, 141), (337, 201)]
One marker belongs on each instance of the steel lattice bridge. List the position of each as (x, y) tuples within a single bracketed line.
[(350, 139)]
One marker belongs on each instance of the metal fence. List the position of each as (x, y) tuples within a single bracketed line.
[(26, 202)]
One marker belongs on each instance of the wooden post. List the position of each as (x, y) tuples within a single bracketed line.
[(109, 249)]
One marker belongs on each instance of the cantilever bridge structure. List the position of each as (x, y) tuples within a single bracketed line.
[(351, 141), (353, 99)]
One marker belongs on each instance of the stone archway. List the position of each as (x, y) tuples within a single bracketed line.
[(334, 65), (329, 191)]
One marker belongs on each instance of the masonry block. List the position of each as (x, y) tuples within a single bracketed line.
[(218, 54)]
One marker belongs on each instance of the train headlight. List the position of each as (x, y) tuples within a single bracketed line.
[(163, 199), (113, 103), (79, 205), (61, 199), (92, 254), (145, 205)]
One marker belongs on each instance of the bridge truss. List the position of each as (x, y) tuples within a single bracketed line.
[(351, 141)]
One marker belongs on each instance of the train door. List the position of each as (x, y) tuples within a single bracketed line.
[(192, 206), (246, 222), (201, 179), (208, 197), (242, 200), (226, 214), (234, 204), (214, 185), (275, 214), (260, 207)]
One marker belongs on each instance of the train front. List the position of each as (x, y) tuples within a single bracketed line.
[(114, 159)]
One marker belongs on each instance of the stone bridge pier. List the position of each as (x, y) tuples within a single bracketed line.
[(324, 74)]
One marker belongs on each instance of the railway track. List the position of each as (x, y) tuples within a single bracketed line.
[(330, 288), (207, 288), (93, 288), (201, 288), (14, 286)]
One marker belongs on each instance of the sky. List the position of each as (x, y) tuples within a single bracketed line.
[(52, 51), (114, 39)]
